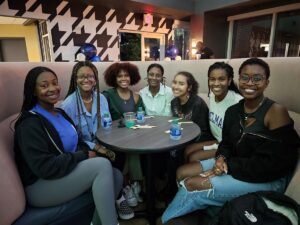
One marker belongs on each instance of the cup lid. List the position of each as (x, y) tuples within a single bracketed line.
[(129, 113)]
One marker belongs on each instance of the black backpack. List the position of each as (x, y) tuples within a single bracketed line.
[(252, 209)]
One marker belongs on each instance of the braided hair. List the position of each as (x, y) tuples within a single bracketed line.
[(73, 86), (229, 73)]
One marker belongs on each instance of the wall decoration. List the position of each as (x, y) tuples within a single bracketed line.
[(71, 25)]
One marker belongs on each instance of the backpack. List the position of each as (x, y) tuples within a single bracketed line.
[(255, 209)]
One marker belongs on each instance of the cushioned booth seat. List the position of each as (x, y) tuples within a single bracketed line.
[(76, 212), (79, 211), (283, 89)]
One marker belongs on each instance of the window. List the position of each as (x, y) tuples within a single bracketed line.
[(287, 35), (141, 46), (181, 37), (251, 37), (45, 41), (272, 32), (152, 51), (130, 47)]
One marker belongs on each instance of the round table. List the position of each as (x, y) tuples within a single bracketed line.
[(147, 141)]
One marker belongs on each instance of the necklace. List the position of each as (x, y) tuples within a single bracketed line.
[(87, 101), (247, 115), (122, 97)]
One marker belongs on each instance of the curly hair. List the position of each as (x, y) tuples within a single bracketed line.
[(111, 73), (190, 81), (256, 61)]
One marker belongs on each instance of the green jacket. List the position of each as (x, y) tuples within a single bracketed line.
[(114, 104)]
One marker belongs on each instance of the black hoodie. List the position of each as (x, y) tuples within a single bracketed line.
[(257, 157), (39, 152)]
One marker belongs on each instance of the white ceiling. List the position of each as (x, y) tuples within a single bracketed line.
[(11, 20)]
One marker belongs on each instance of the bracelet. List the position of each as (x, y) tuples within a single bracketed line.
[(219, 156)]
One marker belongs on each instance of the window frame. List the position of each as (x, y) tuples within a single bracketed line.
[(271, 11)]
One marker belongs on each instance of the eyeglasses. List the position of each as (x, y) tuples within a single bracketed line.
[(83, 77), (255, 79)]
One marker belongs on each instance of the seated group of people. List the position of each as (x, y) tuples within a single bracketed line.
[(247, 141)]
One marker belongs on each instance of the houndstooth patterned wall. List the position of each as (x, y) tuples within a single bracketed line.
[(72, 25)]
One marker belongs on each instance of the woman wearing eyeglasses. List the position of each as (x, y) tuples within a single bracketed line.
[(85, 105), (257, 152), (156, 96)]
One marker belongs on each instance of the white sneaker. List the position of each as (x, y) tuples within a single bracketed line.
[(129, 196), (136, 188), (124, 211)]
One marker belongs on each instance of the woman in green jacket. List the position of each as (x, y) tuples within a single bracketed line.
[(120, 76)]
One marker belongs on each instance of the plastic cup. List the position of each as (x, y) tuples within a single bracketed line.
[(129, 118)]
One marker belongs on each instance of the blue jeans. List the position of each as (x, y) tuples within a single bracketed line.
[(224, 188)]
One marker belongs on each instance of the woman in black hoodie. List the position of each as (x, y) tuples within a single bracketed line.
[(54, 165)]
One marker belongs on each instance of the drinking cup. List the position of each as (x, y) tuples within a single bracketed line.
[(129, 118)]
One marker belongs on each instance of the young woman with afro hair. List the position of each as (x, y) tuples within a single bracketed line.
[(120, 76)]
